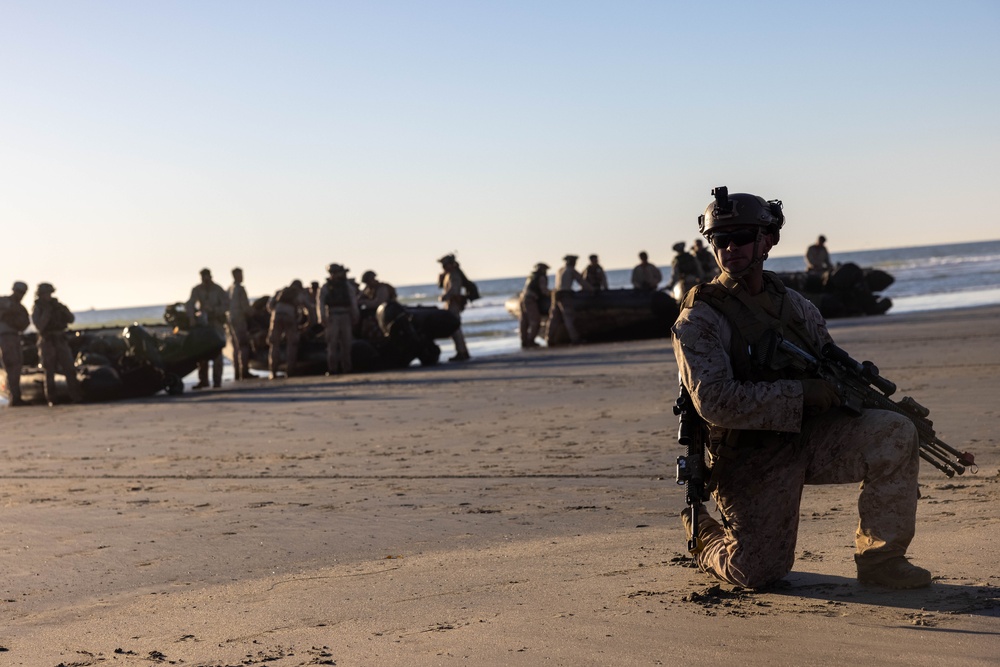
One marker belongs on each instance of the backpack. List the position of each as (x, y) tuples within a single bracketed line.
[(471, 290)]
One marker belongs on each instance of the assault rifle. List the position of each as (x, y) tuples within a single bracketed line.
[(860, 386), (692, 433)]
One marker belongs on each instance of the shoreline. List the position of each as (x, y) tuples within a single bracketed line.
[(512, 510)]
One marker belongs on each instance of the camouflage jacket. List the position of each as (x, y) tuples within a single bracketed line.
[(209, 303), (703, 339)]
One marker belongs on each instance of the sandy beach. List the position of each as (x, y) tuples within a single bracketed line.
[(515, 510)]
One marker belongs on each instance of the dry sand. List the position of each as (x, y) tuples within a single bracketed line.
[(510, 511)]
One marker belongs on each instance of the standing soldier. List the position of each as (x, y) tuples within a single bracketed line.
[(646, 276), (534, 294), (594, 274), (451, 282), (286, 306), (207, 306), (338, 313), (709, 267), (13, 320), (685, 272), (239, 333), (375, 292), (561, 312), (772, 431), (818, 258), (51, 318)]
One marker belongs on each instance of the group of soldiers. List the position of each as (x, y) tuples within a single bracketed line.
[(536, 299), (335, 305), (51, 319)]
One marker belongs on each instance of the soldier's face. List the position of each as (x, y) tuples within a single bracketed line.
[(735, 249)]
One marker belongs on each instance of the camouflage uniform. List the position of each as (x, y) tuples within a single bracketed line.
[(51, 318), (239, 332), (207, 306), (375, 294), (338, 311), (685, 270), (764, 448), (561, 312), (818, 259), (536, 288), (286, 306), (646, 276), (13, 320), (593, 275), (451, 286)]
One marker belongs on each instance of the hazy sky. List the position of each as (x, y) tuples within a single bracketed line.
[(142, 141)]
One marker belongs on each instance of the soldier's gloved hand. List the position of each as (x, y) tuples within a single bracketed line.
[(818, 396)]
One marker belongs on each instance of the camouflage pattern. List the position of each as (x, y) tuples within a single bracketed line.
[(11, 312), (646, 276), (239, 333), (562, 312), (375, 294), (818, 259), (207, 305), (536, 287), (594, 275), (338, 323), (759, 483), (13, 362), (51, 319), (451, 286), (286, 306), (339, 333)]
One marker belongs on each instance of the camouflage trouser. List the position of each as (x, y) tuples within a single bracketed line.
[(55, 355), (216, 361), (531, 321), (239, 338), (339, 335), (759, 493), (282, 325), (10, 355), (458, 337)]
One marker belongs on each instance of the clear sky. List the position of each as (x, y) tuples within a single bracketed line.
[(142, 141)]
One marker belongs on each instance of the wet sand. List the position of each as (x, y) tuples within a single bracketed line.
[(517, 510)]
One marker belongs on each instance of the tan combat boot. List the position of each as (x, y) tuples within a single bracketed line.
[(706, 523), (897, 572)]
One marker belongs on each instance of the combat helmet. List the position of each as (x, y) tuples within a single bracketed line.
[(368, 276), (741, 210)]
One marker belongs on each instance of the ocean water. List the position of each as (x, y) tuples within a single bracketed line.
[(927, 278)]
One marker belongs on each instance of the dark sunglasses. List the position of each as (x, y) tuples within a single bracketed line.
[(722, 240)]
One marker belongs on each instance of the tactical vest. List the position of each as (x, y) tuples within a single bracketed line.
[(751, 324), (337, 294), (687, 265), (288, 296), (532, 287)]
